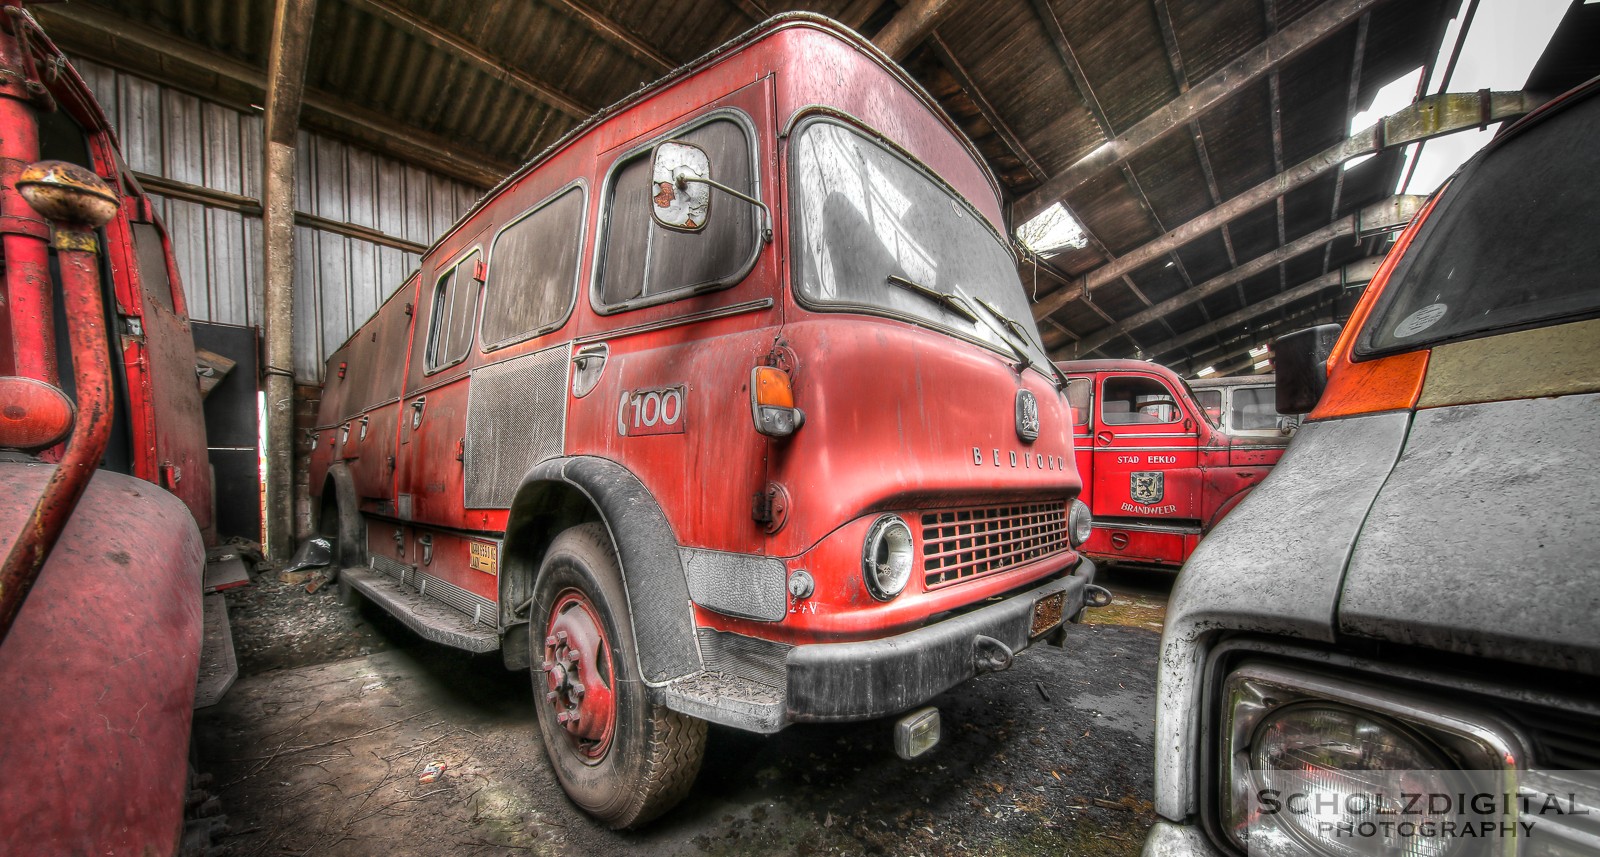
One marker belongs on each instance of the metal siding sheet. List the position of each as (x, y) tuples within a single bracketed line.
[(222, 152), (328, 169), (361, 172), (252, 133), (182, 146), (419, 223), (186, 227), (365, 289), (308, 353), (441, 205), (254, 283), (139, 110), (226, 260), (333, 285)]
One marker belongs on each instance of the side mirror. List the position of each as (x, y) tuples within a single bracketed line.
[(679, 188), (1300, 360)]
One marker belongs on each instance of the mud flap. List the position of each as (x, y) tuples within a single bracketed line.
[(652, 570)]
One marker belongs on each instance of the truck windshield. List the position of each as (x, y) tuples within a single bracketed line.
[(1510, 244), (874, 233)]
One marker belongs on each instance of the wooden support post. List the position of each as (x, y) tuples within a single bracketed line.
[(291, 38)]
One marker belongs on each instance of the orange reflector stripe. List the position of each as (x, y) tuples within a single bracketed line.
[(772, 388)]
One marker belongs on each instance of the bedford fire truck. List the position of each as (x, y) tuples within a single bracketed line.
[(105, 489), (728, 407), (1157, 473)]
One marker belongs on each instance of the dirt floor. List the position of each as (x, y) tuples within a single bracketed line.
[(329, 742)]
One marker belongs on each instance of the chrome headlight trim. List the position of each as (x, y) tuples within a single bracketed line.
[(887, 555), (1472, 738)]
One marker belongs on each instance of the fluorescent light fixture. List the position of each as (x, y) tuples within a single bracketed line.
[(1258, 351), (1263, 364), (1209, 370), (1051, 231)]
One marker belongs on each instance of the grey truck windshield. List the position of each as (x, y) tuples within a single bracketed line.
[(1511, 242), (874, 233)]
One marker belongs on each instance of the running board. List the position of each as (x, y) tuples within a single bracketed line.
[(727, 699), (218, 665), (431, 619)]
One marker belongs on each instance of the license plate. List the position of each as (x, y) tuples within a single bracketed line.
[(1047, 613)]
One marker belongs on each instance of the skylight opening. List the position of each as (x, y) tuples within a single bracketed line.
[(1394, 96), (1051, 232), (1209, 370)]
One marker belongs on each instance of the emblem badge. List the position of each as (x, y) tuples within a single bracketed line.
[(1027, 416), (1147, 486)]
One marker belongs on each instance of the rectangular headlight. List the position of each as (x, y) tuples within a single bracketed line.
[(1306, 758)]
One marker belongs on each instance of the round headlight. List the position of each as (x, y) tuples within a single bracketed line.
[(1336, 773), (886, 557), (1079, 523)]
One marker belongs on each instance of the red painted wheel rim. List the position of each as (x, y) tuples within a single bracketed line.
[(580, 675)]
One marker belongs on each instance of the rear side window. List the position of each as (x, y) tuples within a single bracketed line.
[(1254, 408), (1511, 244), (533, 272), (455, 309), (643, 262)]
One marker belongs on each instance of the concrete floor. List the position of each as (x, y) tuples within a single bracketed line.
[(1050, 757)]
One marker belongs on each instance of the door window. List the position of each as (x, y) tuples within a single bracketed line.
[(1137, 401), (533, 269), (644, 262), (455, 309), (1078, 398)]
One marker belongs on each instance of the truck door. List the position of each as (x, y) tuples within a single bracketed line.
[(1080, 395), (1145, 456)]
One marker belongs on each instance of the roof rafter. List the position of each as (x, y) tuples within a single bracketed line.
[(1428, 117), (617, 35), (1309, 30), (1391, 212)]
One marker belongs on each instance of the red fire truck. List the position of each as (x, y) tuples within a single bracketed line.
[(728, 407), (104, 484), (1157, 473)]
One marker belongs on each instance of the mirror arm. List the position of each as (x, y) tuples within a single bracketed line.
[(766, 231)]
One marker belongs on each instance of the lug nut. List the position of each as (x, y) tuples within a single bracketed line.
[(572, 655), (550, 696), (550, 640), (561, 636)]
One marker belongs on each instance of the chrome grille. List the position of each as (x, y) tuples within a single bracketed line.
[(962, 544)]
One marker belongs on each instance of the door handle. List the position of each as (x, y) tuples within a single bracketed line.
[(1103, 438), (416, 412), (587, 364)]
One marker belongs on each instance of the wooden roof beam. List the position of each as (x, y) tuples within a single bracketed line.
[(1286, 44), (1393, 212), (910, 26), (617, 35), (1429, 117), (92, 31), (1352, 274), (464, 50)]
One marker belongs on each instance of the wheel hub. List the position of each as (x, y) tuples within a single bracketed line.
[(578, 674)]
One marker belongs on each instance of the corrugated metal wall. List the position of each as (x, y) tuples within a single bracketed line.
[(339, 280)]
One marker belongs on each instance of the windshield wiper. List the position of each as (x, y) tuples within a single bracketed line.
[(944, 299), (1010, 326)]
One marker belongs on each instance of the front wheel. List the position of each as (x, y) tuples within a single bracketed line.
[(619, 757)]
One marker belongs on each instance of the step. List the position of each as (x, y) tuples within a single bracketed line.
[(225, 571), (431, 619), (727, 699), (218, 666)]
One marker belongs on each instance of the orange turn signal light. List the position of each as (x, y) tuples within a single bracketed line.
[(33, 414), (772, 402)]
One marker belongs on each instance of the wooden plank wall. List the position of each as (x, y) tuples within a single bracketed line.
[(340, 280)]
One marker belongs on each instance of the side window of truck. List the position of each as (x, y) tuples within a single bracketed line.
[(1210, 402), (1078, 397), (1132, 400), (455, 309), (1254, 408), (533, 272), (643, 262)]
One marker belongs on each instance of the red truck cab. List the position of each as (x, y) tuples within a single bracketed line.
[(1157, 473), (729, 407)]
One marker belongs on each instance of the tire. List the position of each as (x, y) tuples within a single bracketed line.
[(344, 528), (623, 760)]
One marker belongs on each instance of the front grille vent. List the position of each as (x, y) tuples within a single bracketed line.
[(963, 544)]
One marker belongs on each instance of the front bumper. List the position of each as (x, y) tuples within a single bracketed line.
[(874, 678), (1167, 839)]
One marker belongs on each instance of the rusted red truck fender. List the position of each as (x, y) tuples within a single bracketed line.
[(97, 732)]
